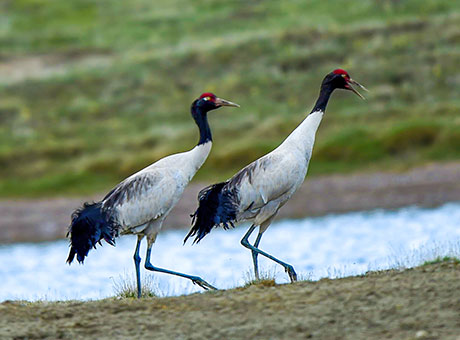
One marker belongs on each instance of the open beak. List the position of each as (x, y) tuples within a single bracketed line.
[(223, 102), (349, 86)]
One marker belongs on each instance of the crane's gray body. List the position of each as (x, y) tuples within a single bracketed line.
[(265, 185), (142, 201)]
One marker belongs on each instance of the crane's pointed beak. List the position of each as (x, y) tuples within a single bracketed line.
[(223, 102), (349, 86)]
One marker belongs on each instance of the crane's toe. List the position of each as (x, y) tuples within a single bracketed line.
[(202, 283), (291, 272)]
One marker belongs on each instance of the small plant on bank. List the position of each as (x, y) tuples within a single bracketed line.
[(125, 287), (266, 278), (445, 259), (305, 277), (429, 253)]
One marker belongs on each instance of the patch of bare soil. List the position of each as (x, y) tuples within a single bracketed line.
[(420, 303), (15, 70), (47, 219)]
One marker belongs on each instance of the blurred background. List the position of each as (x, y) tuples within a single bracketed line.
[(92, 91)]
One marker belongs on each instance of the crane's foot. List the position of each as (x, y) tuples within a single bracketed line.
[(195, 279), (202, 283), (291, 272)]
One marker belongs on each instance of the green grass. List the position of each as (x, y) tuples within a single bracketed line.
[(115, 80), (426, 254), (445, 259)]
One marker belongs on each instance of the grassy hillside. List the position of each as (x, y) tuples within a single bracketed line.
[(93, 91)]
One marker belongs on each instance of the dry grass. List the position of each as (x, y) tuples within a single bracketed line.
[(266, 278), (386, 304), (430, 252), (125, 287)]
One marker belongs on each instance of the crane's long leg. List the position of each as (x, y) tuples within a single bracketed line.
[(137, 261), (289, 269), (195, 279), (254, 256)]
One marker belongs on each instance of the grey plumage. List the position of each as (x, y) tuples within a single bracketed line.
[(140, 203), (258, 191)]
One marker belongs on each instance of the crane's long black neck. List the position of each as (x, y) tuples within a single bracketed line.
[(201, 119), (324, 95)]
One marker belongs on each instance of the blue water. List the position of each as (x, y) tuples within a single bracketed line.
[(330, 246)]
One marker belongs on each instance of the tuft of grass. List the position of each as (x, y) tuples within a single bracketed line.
[(260, 283), (266, 278), (125, 287), (445, 259), (428, 253), (306, 277)]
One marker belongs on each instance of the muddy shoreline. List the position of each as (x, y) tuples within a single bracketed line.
[(35, 220)]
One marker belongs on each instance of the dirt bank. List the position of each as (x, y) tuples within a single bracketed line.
[(47, 219), (420, 303)]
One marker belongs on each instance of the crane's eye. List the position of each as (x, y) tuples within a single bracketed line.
[(207, 98)]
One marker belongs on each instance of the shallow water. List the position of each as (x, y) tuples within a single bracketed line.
[(330, 246)]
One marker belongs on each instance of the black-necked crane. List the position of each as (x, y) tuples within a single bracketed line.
[(140, 203), (259, 190)]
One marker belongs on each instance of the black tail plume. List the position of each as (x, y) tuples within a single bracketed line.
[(217, 206), (88, 227)]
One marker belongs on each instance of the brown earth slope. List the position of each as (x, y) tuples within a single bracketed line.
[(420, 303)]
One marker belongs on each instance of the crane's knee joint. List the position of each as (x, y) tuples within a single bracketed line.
[(137, 258), (246, 244)]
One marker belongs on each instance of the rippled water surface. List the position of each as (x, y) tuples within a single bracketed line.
[(334, 245)]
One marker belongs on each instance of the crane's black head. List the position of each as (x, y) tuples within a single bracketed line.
[(200, 107), (340, 79), (337, 79), (208, 101)]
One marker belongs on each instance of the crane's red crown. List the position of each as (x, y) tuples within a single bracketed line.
[(341, 71), (210, 95)]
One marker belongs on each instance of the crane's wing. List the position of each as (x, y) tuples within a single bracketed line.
[(144, 196), (262, 181), (265, 180)]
